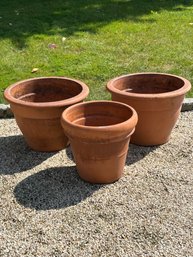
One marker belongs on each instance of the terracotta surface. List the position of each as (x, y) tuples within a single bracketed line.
[(156, 97), (37, 105), (99, 133)]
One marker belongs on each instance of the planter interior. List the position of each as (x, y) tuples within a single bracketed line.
[(148, 83), (99, 115), (46, 90)]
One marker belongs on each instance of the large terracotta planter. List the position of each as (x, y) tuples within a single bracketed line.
[(37, 105), (156, 97), (99, 133)]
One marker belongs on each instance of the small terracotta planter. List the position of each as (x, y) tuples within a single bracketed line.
[(99, 133), (37, 105), (157, 98)]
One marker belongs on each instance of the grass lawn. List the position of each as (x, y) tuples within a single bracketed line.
[(104, 39)]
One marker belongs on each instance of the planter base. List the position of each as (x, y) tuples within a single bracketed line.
[(97, 163)]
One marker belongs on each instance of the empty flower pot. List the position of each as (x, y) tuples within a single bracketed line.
[(37, 105), (157, 98), (99, 134)]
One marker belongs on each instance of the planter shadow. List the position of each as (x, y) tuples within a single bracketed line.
[(137, 153), (53, 188), (16, 156), (69, 153)]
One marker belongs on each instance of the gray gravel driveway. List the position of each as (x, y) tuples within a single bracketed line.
[(47, 210)]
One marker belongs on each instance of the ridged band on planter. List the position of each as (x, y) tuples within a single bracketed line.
[(37, 105), (157, 98), (99, 134)]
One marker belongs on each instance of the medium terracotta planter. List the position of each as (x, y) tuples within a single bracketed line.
[(37, 105), (99, 134), (157, 98)]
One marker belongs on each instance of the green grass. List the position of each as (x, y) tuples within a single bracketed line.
[(104, 39)]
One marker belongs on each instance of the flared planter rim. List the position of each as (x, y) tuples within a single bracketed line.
[(174, 93), (124, 128), (70, 101)]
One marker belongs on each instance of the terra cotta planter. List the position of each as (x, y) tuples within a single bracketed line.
[(37, 105), (99, 134), (156, 97)]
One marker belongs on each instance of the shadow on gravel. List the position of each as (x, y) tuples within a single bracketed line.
[(53, 188), (16, 156), (69, 153), (136, 153)]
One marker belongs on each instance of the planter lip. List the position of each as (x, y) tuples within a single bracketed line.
[(109, 128), (79, 97), (183, 90)]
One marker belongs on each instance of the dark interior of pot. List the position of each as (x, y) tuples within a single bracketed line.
[(46, 90), (99, 114), (148, 83)]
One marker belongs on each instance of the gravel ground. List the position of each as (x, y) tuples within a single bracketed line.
[(47, 210)]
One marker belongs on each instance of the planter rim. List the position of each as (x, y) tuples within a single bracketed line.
[(183, 90), (79, 97), (105, 129)]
